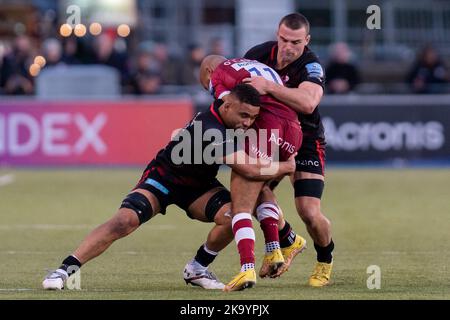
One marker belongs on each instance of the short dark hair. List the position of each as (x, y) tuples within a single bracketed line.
[(246, 94), (295, 21)]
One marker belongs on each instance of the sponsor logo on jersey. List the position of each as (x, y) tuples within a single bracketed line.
[(241, 65), (305, 163), (314, 69), (282, 143)]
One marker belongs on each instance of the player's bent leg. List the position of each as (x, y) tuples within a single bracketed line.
[(221, 234), (308, 191), (290, 244), (96, 242), (136, 209), (212, 206), (244, 194), (318, 226), (268, 216)]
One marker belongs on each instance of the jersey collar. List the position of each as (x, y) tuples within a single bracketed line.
[(214, 108)]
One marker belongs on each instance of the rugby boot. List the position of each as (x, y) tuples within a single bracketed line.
[(289, 253), (55, 279), (243, 280), (321, 274), (201, 277), (271, 263)]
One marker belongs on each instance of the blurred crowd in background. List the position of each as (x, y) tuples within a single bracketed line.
[(143, 71), (151, 66), (147, 67)]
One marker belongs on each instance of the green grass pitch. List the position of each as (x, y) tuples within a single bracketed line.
[(395, 219)]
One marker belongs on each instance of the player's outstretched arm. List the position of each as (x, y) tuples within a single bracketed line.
[(303, 99), (259, 169)]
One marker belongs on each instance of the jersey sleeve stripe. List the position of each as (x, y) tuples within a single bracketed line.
[(223, 94)]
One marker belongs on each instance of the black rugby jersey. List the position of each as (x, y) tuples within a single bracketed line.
[(191, 156), (306, 68)]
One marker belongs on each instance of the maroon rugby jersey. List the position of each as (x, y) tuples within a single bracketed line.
[(231, 72)]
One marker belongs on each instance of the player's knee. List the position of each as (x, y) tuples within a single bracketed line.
[(123, 224), (223, 219), (215, 204), (267, 210), (310, 214), (140, 205)]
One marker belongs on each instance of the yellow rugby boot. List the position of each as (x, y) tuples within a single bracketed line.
[(243, 280), (271, 263), (321, 274), (290, 252)]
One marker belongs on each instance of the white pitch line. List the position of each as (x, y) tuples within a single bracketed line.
[(13, 252), (7, 179), (70, 227), (45, 226), (30, 289), (29, 252), (16, 289)]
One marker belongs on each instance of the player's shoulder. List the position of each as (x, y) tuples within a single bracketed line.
[(260, 51), (309, 57), (204, 116), (210, 117)]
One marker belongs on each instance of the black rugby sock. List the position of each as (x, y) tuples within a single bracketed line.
[(204, 257), (286, 235), (324, 254), (70, 261)]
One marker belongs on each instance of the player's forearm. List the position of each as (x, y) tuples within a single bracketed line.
[(263, 172), (298, 99), (249, 171)]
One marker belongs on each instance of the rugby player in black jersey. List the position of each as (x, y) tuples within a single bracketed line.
[(303, 79), (184, 174)]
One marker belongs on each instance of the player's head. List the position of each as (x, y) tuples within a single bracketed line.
[(240, 107), (292, 36), (209, 64)]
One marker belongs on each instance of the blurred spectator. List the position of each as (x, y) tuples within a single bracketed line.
[(341, 75), (145, 69), (70, 51), (148, 82), (429, 74), (104, 53), (52, 50), (169, 66), (146, 57), (15, 77), (191, 68), (217, 46), (146, 61)]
